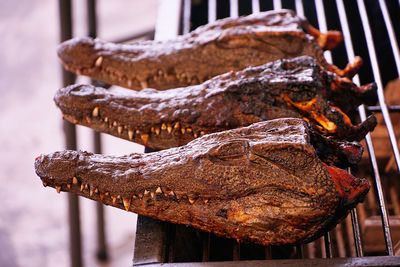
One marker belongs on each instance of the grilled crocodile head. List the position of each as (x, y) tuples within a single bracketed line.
[(210, 50), (162, 119), (263, 183)]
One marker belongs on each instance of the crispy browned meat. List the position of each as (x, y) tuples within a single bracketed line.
[(213, 49), (263, 183), (163, 119)]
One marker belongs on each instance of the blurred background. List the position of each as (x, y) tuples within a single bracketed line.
[(33, 219)]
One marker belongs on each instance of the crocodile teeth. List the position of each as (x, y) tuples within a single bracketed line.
[(183, 130), (152, 194), (95, 112), (58, 188), (99, 61), (82, 187), (145, 138), (191, 200), (119, 129), (144, 85), (169, 129), (101, 196), (129, 83), (115, 124), (44, 184), (172, 194), (91, 191), (105, 119), (158, 190), (157, 130), (177, 125), (163, 126), (146, 192), (69, 186), (74, 180), (130, 134), (127, 203)]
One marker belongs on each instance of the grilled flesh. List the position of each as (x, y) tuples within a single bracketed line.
[(263, 183), (296, 87), (213, 49)]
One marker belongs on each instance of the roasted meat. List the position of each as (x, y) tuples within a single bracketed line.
[(213, 49), (296, 87), (263, 183)]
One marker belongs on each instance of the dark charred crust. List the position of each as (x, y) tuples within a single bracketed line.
[(164, 119), (263, 183), (228, 44)]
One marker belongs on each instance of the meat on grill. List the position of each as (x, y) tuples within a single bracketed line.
[(296, 87), (263, 183), (213, 49)]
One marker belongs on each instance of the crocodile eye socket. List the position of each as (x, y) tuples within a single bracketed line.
[(234, 149)]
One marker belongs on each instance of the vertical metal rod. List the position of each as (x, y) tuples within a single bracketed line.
[(212, 10), (356, 233), (206, 246), (392, 38), (299, 251), (101, 252), (186, 16), (65, 13), (328, 245), (234, 8), (378, 80), (322, 25), (350, 54), (255, 6), (299, 7), (236, 251), (277, 4)]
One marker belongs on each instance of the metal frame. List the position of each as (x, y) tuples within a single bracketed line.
[(177, 11)]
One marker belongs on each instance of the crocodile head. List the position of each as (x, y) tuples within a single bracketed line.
[(210, 50), (263, 183), (163, 119)]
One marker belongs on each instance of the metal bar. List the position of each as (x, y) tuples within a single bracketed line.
[(255, 5), (394, 108), (277, 4), (299, 7), (322, 25), (340, 241), (368, 139), (328, 245), (299, 251), (378, 80), (168, 19), (350, 236), (186, 16), (356, 233), (234, 8), (392, 38), (65, 13), (212, 10), (101, 252)]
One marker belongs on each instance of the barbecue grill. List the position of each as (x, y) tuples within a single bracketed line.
[(371, 29)]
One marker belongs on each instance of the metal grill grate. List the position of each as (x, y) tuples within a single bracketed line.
[(367, 29)]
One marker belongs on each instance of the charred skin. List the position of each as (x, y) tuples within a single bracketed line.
[(262, 184), (226, 45), (164, 119)]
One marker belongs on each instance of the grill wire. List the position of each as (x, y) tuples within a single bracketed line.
[(343, 13)]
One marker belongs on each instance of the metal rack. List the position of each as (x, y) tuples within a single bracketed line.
[(159, 242)]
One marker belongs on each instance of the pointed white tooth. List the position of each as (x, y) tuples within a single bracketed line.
[(127, 203), (74, 180), (119, 129), (146, 192), (152, 194), (195, 135), (189, 130), (114, 200), (144, 84), (202, 133), (95, 112), (169, 128), (44, 184), (158, 190), (129, 83), (163, 126), (105, 119), (88, 119), (69, 186), (172, 194), (183, 130), (91, 191), (145, 139), (58, 189), (82, 187), (177, 125), (130, 134), (157, 131), (191, 200), (99, 61), (115, 124)]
